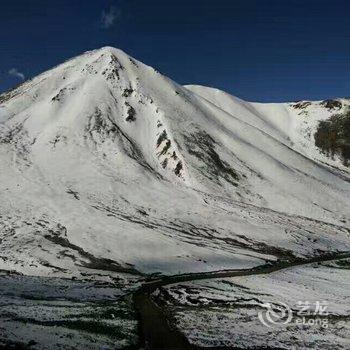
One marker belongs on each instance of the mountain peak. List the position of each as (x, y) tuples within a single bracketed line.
[(106, 162)]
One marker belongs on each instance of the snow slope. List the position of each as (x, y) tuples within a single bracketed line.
[(110, 169), (292, 123)]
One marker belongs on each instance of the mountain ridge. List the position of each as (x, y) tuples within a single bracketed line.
[(107, 164)]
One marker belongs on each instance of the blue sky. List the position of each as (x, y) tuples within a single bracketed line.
[(260, 50)]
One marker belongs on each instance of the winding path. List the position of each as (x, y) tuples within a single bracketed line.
[(155, 330)]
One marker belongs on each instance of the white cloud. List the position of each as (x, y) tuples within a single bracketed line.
[(109, 17), (16, 73)]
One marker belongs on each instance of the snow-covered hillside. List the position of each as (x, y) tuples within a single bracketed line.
[(111, 170), (292, 123)]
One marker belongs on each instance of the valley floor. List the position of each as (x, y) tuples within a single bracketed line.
[(192, 311)]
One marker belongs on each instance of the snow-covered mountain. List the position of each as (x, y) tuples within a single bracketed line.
[(109, 168)]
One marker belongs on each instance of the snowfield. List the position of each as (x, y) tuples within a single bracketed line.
[(111, 172), (224, 312)]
